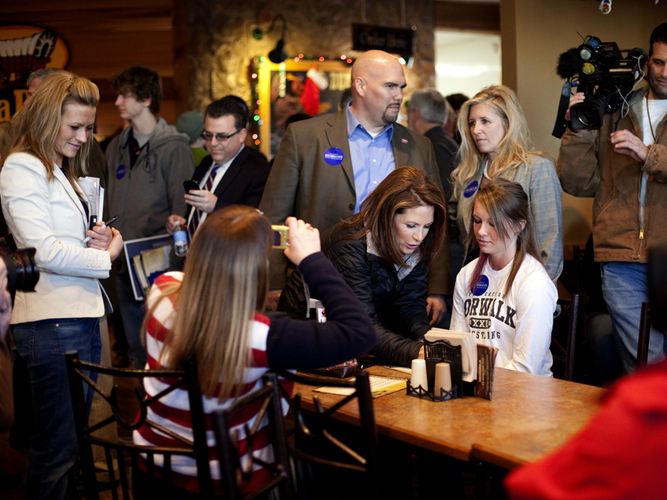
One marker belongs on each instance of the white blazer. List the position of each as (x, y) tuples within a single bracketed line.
[(49, 216)]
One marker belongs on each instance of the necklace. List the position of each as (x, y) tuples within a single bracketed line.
[(648, 115)]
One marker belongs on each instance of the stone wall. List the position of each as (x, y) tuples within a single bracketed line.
[(222, 47)]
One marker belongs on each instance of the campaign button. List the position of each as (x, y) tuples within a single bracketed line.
[(471, 189), (481, 286), (120, 171), (334, 156)]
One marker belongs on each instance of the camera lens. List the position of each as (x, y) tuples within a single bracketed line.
[(587, 115), (22, 271)]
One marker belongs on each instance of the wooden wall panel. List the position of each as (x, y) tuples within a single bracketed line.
[(467, 16), (77, 5), (107, 36)]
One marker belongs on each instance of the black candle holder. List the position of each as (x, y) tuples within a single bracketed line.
[(421, 393), (442, 351)]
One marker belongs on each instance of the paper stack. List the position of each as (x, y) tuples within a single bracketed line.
[(379, 387), (468, 349), (95, 194)]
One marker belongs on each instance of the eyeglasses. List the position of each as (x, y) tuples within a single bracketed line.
[(207, 136)]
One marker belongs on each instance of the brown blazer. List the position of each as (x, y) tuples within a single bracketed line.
[(589, 166), (303, 185)]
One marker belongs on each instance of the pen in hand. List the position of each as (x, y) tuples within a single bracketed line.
[(106, 224)]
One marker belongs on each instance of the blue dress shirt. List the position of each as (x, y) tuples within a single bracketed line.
[(372, 157)]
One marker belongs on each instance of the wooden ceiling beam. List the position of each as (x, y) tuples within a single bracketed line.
[(467, 16)]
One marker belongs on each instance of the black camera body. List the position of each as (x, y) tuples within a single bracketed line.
[(22, 270), (603, 75)]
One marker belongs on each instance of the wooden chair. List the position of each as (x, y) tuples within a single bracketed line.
[(657, 292), (235, 451), (323, 444), (79, 375), (563, 347), (644, 335)]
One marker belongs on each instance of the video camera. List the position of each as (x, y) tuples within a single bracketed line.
[(603, 75)]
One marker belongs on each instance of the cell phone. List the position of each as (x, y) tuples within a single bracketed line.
[(280, 236), (190, 185)]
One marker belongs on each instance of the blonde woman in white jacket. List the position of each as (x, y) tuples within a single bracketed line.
[(45, 208)]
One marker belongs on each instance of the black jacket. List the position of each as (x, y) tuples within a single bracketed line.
[(242, 184), (397, 308), (445, 148)]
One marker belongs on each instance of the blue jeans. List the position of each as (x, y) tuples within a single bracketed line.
[(625, 287), (53, 447)]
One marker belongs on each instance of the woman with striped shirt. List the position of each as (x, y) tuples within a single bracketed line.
[(212, 312)]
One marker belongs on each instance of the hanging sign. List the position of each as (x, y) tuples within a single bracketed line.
[(393, 40)]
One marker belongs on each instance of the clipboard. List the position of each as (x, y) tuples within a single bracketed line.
[(147, 258)]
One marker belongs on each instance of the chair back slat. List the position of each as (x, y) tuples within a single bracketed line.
[(197, 449), (563, 349), (237, 466), (644, 335), (124, 485), (320, 439)]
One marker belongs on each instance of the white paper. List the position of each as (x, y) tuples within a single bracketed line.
[(379, 387), (94, 193)]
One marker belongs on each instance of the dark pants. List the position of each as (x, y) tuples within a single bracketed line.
[(53, 447)]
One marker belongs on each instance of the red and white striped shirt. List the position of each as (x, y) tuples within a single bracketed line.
[(173, 410)]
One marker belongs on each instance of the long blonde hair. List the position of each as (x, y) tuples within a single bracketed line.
[(225, 282), (35, 126), (514, 148)]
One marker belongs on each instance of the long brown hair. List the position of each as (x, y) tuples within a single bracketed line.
[(507, 204), (401, 190), (35, 126), (225, 282)]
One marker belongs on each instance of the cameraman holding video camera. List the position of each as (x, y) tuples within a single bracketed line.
[(623, 165)]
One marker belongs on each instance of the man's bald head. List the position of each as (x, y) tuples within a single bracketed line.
[(369, 63), (377, 89)]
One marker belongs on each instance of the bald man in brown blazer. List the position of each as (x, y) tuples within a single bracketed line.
[(313, 179)]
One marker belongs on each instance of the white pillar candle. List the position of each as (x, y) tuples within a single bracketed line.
[(418, 376), (443, 378)]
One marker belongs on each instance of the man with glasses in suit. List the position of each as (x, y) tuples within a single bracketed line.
[(232, 174)]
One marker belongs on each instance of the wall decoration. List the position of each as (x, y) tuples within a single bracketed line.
[(300, 85), (24, 49)]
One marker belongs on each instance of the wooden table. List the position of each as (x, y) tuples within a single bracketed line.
[(529, 416)]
